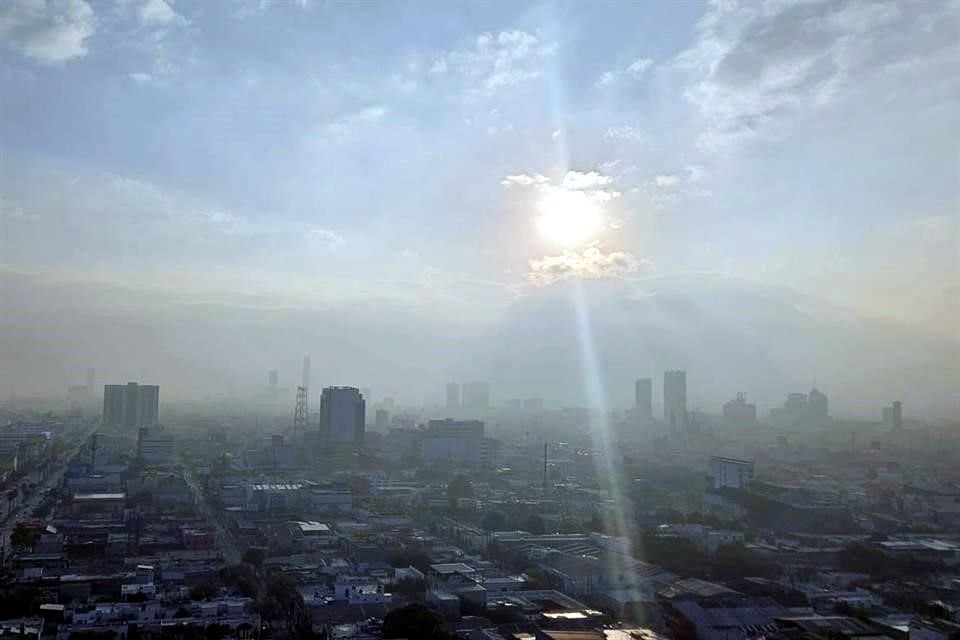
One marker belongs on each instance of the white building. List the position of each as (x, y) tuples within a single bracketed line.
[(313, 534), (450, 441), (729, 472)]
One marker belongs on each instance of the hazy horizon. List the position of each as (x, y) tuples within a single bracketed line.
[(192, 194)]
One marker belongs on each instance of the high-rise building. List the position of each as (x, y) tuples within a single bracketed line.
[(893, 415), (818, 411), (131, 405), (802, 409), (77, 398), (458, 442), (113, 400), (643, 398), (149, 401), (453, 397), (91, 381), (273, 378), (533, 404), (796, 402), (342, 417), (382, 420), (475, 396), (674, 398), (739, 412), (793, 413)]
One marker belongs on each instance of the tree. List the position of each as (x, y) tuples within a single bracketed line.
[(241, 577), (414, 621), (735, 560), (494, 521), (936, 609), (203, 591), (459, 487), (22, 537), (537, 578), (254, 557), (410, 558), (407, 586), (215, 631), (281, 600), (570, 525), (11, 497), (596, 523), (18, 602), (535, 524), (93, 635)]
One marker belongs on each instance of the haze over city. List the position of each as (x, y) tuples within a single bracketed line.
[(419, 320), (196, 193)]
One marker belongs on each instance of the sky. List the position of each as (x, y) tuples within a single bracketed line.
[(197, 192)]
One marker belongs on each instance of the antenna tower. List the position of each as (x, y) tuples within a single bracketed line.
[(300, 412)]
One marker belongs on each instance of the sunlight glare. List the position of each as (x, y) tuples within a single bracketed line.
[(568, 218)]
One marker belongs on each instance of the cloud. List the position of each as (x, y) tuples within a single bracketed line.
[(141, 77), (635, 71), (590, 263), (50, 31), (525, 180), (667, 181), (157, 13), (639, 67), (607, 78), (9, 211), (496, 61), (356, 121), (326, 238), (217, 217), (585, 180), (670, 188), (593, 184), (627, 133), (755, 67)]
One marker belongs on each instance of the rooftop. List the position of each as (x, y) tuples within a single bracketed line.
[(278, 486), (452, 567), (312, 527), (729, 460)]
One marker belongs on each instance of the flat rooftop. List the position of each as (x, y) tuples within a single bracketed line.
[(311, 527), (100, 496), (278, 486), (452, 567)]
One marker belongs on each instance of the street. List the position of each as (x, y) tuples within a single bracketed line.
[(26, 506), (224, 539)]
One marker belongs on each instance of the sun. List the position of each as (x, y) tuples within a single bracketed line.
[(568, 218)]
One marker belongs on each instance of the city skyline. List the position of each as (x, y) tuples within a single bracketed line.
[(229, 207), (810, 410), (546, 319)]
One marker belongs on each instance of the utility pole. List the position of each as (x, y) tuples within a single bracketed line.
[(544, 469)]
